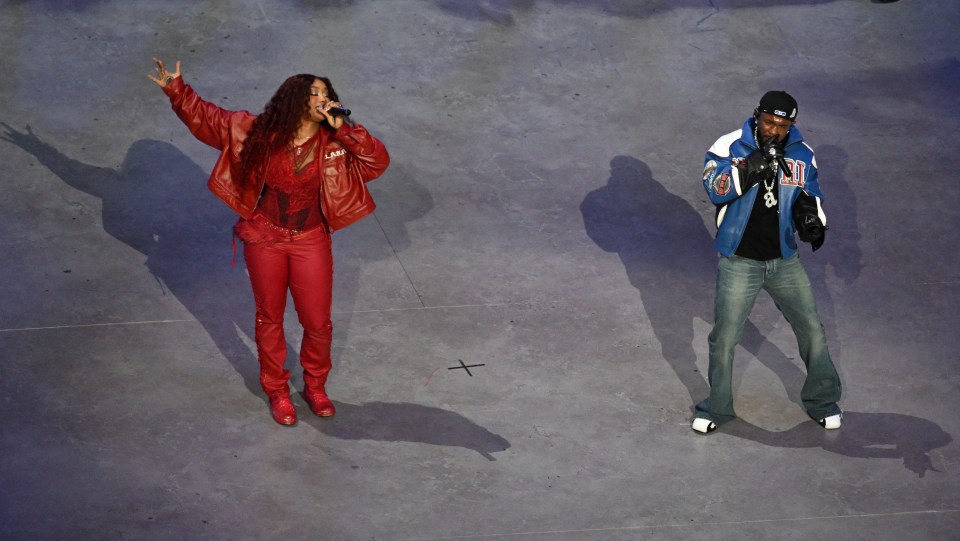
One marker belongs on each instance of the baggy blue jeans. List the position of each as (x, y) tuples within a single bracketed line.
[(739, 281)]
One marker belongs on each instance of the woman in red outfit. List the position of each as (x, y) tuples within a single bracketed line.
[(294, 174)]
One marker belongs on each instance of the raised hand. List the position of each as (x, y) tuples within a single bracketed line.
[(163, 76)]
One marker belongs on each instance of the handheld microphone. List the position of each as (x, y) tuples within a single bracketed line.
[(783, 167), (336, 111), (771, 147)]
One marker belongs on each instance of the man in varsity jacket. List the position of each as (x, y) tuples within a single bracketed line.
[(763, 180)]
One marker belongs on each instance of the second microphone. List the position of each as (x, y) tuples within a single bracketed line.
[(337, 111)]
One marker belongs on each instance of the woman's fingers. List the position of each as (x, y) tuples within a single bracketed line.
[(163, 76)]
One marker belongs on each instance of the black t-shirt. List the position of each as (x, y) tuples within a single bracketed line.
[(761, 239)]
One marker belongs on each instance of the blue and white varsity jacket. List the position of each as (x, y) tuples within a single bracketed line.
[(721, 179)]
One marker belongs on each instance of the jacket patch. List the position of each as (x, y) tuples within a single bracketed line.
[(720, 184), (335, 153), (798, 169), (709, 170)]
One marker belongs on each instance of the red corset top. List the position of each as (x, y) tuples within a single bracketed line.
[(291, 194)]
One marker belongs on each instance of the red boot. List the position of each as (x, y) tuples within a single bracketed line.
[(319, 403), (282, 409)]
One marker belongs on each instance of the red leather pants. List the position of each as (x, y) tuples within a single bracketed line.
[(302, 263)]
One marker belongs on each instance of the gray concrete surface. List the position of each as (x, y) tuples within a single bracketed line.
[(543, 217)]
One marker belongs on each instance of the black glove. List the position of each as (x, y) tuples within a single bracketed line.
[(806, 219), (755, 169), (773, 149)]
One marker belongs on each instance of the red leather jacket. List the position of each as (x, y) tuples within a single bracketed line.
[(351, 157)]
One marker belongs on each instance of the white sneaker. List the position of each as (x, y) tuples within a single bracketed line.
[(704, 426), (833, 422)]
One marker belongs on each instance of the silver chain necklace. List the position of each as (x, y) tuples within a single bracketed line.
[(769, 199)]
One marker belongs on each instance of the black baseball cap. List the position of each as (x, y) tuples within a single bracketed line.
[(779, 103)]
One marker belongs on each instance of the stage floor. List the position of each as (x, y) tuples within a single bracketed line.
[(520, 330)]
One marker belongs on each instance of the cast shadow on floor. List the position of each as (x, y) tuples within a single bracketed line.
[(167, 214), (157, 203), (863, 435), (668, 256), (406, 422)]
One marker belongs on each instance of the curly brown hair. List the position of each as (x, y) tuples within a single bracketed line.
[(278, 123)]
